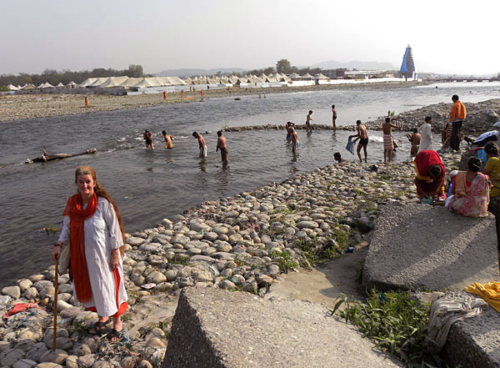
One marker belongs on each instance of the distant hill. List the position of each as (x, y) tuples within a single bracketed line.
[(192, 72), (355, 64)]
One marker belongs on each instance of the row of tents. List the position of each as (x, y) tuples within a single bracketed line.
[(136, 83)]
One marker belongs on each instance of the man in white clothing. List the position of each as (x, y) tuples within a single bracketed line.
[(426, 132)]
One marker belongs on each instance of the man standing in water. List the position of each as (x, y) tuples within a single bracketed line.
[(388, 141), (295, 139), (308, 122), (149, 139), (201, 144), (457, 116), (289, 126), (334, 117), (222, 146), (415, 141), (363, 139), (168, 140)]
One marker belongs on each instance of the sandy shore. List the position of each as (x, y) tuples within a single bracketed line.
[(21, 107)]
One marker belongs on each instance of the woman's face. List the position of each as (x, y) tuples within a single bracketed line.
[(85, 185)]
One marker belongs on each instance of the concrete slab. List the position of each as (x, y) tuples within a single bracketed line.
[(218, 328), (430, 247), (474, 342)]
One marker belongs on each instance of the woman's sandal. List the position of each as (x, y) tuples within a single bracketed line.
[(115, 334), (98, 326)]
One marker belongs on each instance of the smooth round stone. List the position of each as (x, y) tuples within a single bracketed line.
[(24, 363), (238, 279), (226, 284), (227, 273), (31, 293), (219, 230), (209, 250), (194, 251), (11, 356), (86, 361), (156, 277), (128, 362), (54, 356), (211, 236), (13, 291), (25, 284), (224, 247)]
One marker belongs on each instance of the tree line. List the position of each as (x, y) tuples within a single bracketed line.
[(55, 77), (284, 66)]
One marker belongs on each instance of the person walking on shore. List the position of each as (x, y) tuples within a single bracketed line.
[(426, 132), (363, 139), (415, 141), (308, 122), (388, 141), (334, 117), (222, 146), (201, 144), (149, 139), (295, 140), (93, 227), (457, 115), (168, 140)]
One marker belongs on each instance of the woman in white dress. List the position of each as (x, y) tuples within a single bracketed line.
[(93, 227), (426, 133)]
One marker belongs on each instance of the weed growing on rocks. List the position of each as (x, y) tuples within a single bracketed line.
[(396, 322), (284, 261)]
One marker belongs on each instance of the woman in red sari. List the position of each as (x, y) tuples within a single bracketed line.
[(430, 175), (94, 229)]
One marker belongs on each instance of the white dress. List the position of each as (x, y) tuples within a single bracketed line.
[(102, 234), (426, 141)]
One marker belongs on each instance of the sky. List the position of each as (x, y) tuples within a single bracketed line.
[(453, 37)]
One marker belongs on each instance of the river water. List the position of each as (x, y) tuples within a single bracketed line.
[(150, 185)]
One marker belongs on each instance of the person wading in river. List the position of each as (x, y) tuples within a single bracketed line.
[(201, 144), (222, 146), (363, 139)]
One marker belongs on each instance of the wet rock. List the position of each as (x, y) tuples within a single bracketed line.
[(10, 356), (13, 291)]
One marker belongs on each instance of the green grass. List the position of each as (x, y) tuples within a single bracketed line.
[(396, 322), (177, 259), (284, 261), (50, 229)]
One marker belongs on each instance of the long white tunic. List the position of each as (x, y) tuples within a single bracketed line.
[(426, 141), (102, 234)]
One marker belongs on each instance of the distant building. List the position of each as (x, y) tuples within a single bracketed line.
[(334, 73), (408, 65)]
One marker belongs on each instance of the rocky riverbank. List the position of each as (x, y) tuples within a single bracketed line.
[(245, 242), (21, 107), (480, 117)]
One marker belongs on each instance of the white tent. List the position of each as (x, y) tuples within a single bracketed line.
[(98, 82), (113, 82), (308, 76), (87, 82), (130, 82), (71, 85), (144, 83), (294, 76), (12, 87), (45, 85), (60, 85)]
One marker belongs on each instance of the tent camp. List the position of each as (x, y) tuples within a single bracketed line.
[(12, 87), (71, 85), (87, 82), (60, 85), (45, 85), (113, 82)]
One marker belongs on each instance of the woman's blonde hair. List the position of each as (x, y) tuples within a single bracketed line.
[(101, 192)]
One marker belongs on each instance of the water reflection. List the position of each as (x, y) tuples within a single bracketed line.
[(203, 165)]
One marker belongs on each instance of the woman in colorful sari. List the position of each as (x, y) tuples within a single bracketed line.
[(93, 226), (430, 175), (471, 191)]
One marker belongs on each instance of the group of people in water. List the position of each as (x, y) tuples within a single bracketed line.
[(221, 143)]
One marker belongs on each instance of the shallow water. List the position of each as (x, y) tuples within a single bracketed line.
[(150, 185)]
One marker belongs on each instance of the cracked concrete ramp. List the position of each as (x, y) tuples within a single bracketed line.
[(218, 328), (430, 247)]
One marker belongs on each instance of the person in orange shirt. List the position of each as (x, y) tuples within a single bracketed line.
[(457, 116)]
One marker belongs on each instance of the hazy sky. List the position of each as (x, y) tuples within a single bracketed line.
[(446, 36)]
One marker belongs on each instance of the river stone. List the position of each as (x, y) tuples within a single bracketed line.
[(194, 251), (151, 247), (48, 365), (307, 225), (81, 350), (224, 247), (264, 280), (220, 230), (155, 342), (273, 270), (13, 291), (211, 236), (31, 293), (226, 284), (156, 277), (85, 316), (86, 361), (172, 274), (133, 241), (145, 364), (47, 291), (128, 362), (24, 363), (72, 361), (231, 214), (65, 288), (25, 284), (199, 226), (235, 238), (430, 247), (10, 356), (62, 305), (303, 334), (54, 356), (4, 345), (36, 351)]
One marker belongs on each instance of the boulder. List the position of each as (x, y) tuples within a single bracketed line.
[(430, 247)]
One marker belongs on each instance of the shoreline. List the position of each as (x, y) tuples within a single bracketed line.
[(24, 107), (243, 242)]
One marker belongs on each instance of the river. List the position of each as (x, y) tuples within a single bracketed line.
[(150, 185)]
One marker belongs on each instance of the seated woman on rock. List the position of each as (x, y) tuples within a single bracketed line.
[(430, 176), (471, 191), (492, 168)]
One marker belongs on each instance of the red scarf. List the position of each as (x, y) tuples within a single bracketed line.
[(77, 214)]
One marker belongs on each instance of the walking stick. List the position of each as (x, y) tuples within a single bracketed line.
[(55, 303)]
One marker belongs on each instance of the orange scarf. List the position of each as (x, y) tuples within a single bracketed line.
[(77, 214)]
